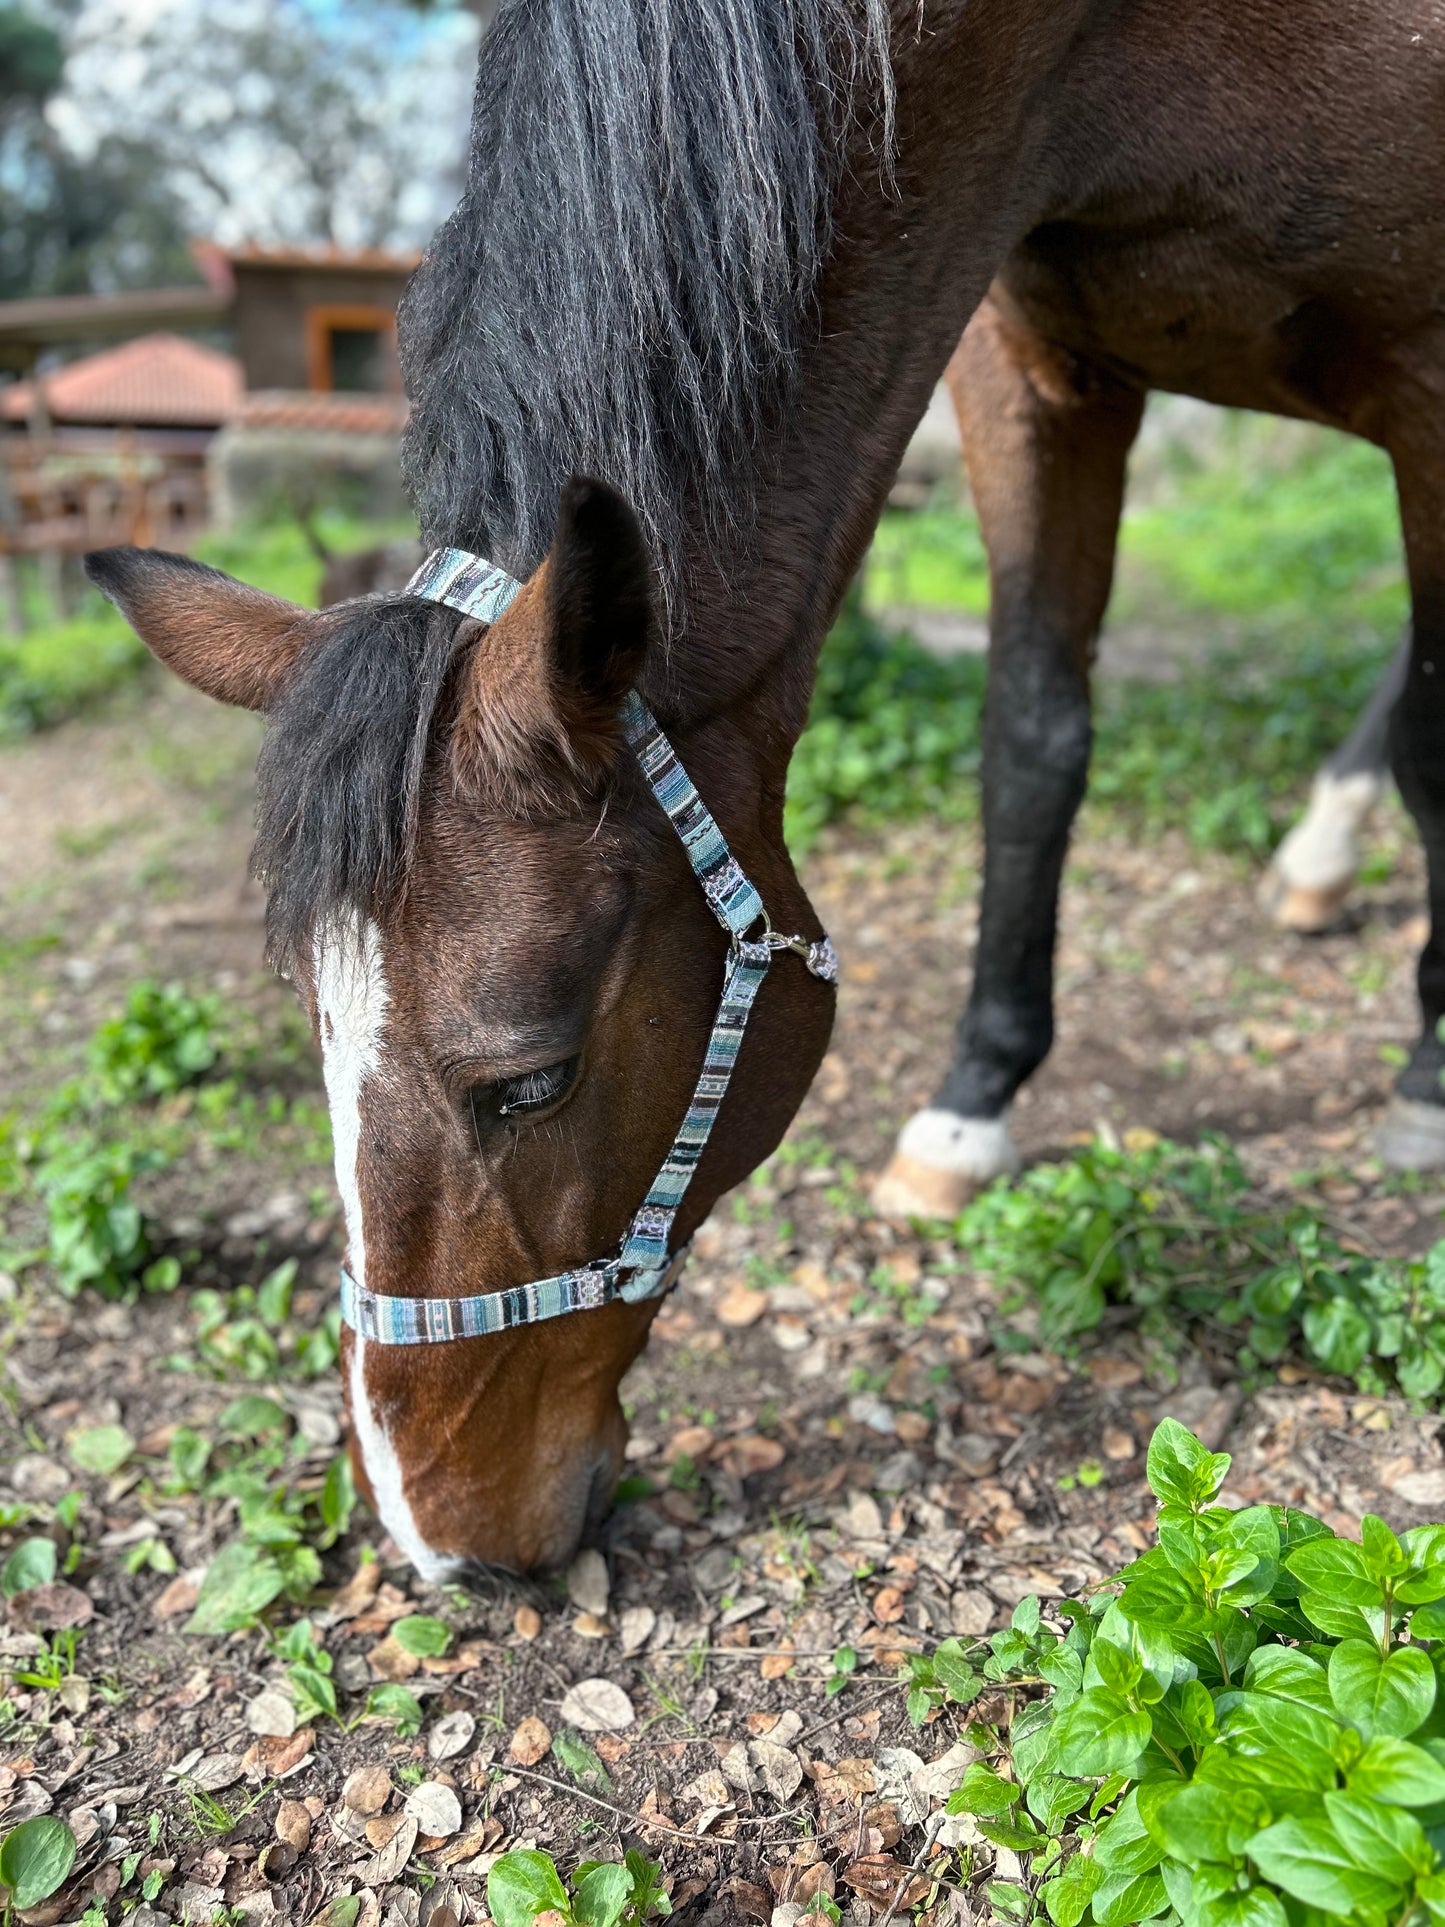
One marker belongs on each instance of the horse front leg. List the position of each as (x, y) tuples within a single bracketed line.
[(1046, 438)]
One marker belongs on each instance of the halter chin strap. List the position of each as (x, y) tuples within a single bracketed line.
[(644, 1267)]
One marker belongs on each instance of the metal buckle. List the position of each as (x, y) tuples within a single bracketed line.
[(817, 952)]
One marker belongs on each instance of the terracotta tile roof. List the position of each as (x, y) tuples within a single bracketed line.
[(158, 381), (252, 254), (341, 413)]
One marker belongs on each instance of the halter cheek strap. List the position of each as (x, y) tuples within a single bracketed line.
[(643, 1268)]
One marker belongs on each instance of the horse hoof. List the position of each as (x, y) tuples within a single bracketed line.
[(909, 1188), (1300, 907), (941, 1162), (1411, 1135)]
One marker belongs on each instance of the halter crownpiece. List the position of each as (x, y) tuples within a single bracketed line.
[(643, 1267)]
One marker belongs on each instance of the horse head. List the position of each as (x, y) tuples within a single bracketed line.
[(514, 980)]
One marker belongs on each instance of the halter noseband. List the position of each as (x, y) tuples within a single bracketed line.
[(643, 1268)]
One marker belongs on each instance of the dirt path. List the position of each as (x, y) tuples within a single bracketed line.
[(838, 1451)]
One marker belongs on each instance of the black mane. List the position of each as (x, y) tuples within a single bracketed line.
[(623, 290), (338, 782)]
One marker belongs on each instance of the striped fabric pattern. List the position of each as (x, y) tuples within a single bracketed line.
[(735, 903), (643, 1268), (432, 1321), (647, 1238), (479, 589)]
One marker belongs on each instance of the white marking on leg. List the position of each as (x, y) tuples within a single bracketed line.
[(1321, 851), (975, 1147), (352, 1000)]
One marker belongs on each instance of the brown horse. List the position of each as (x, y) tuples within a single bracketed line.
[(1249, 257), (718, 252)]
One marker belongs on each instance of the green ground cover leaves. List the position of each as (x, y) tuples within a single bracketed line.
[(1243, 1728), (1168, 1229)]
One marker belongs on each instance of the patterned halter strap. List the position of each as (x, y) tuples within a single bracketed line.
[(643, 1267)]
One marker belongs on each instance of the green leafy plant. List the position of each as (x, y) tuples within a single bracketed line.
[(427, 1638), (1243, 1729), (1167, 1229), (164, 1039), (604, 1893), (250, 1333), (946, 1676), (50, 1669), (308, 1672), (396, 1705), (281, 1528), (98, 1236), (35, 1861), (32, 1563)]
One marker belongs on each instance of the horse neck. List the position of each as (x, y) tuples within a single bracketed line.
[(914, 258)]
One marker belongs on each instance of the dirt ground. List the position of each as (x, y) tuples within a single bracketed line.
[(825, 1473)]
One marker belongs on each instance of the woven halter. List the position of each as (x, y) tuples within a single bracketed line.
[(644, 1267)]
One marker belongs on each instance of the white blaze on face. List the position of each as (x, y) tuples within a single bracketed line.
[(351, 1006)]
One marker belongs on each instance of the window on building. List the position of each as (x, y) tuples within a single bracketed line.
[(357, 360), (352, 350)]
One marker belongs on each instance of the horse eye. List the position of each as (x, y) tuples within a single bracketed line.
[(526, 1095)]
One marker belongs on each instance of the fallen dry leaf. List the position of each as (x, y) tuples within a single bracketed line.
[(530, 1742), (756, 1764), (889, 1605), (751, 1453), (692, 1442), (435, 1808), (972, 1611), (856, 1775), (216, 1771), (740, 1306), (390, 1660), (598, 1706), (1421, 1488), (271, 1714), (878, 1877), (178, 1597), (358, 1592), (636, 1627), (775, 1665), (452, 1734), (281, 1756), (588, 1584), (380, 1828), (751, 1902), (1117, 1443), (50, 1608), (293, 1825), (367, 1789), (392, 1857), (816, 1879), (1113, 1373)]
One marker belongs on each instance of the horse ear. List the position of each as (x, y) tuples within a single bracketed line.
[(545, 686), (229, 641), (600, 580)]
